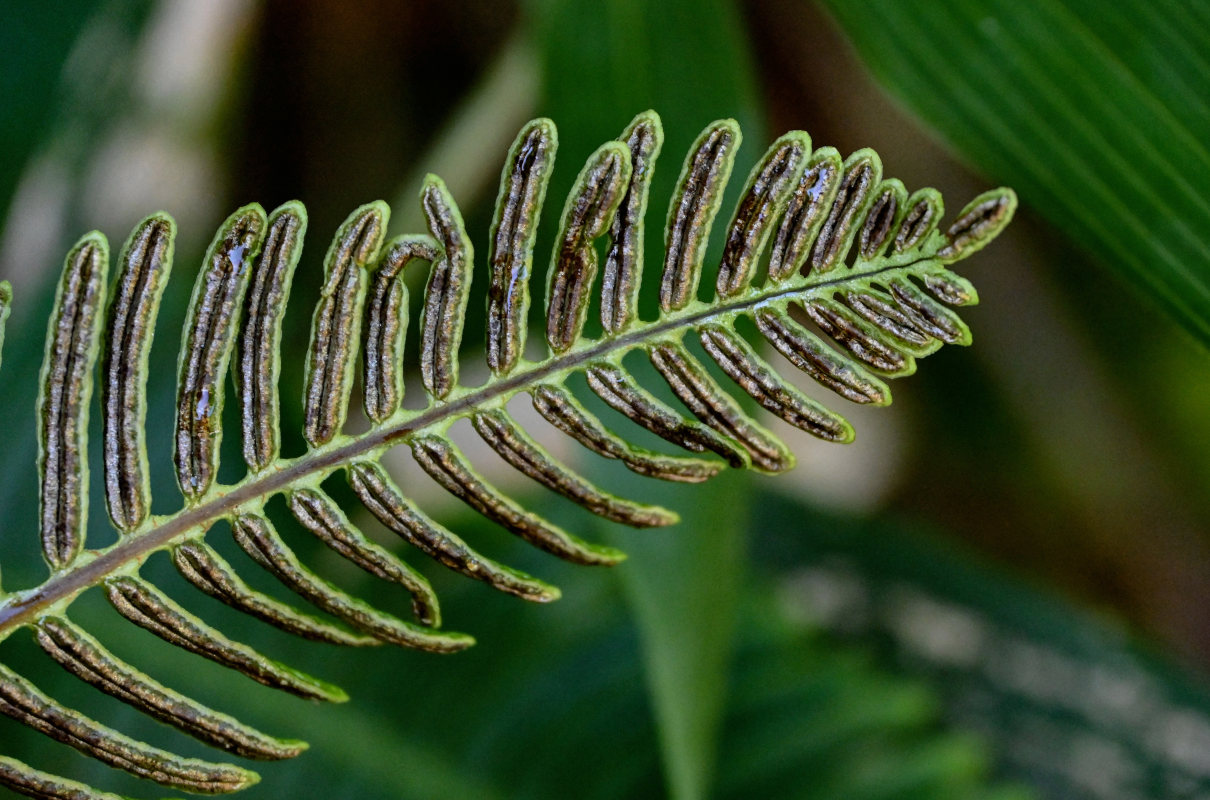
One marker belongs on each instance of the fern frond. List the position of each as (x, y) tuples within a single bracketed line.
[(856, 287)]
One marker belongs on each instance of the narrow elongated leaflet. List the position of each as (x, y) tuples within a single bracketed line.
[(81, 654), (336, 326), (590, 208), (807, 351), (152, 610), (768, 191), (208, 340), (523, 184), (698, 197), (73, 340), (449, 286), (859, 337), (260, 334), (740, 361), (564, 411), (613, 385), (884, 217), (881, 309), (622, 271), (322, 517), (387, 503), (924, 211), (24, 702), (805, 213), (861, 173), (977, 224), (951, 289), (144, 265), (24, 779), (259, 540), (703, 396), (206, 569), (927, 314), (387, 323), (442, 460), (517, 448)]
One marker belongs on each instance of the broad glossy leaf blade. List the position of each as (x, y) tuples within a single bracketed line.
[(1096, 114)]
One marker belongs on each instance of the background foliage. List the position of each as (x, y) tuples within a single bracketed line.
[(996, 592)]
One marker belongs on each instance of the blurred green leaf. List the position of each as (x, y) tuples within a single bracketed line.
[(34, 41), (1074, 705), (1098, 114)]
